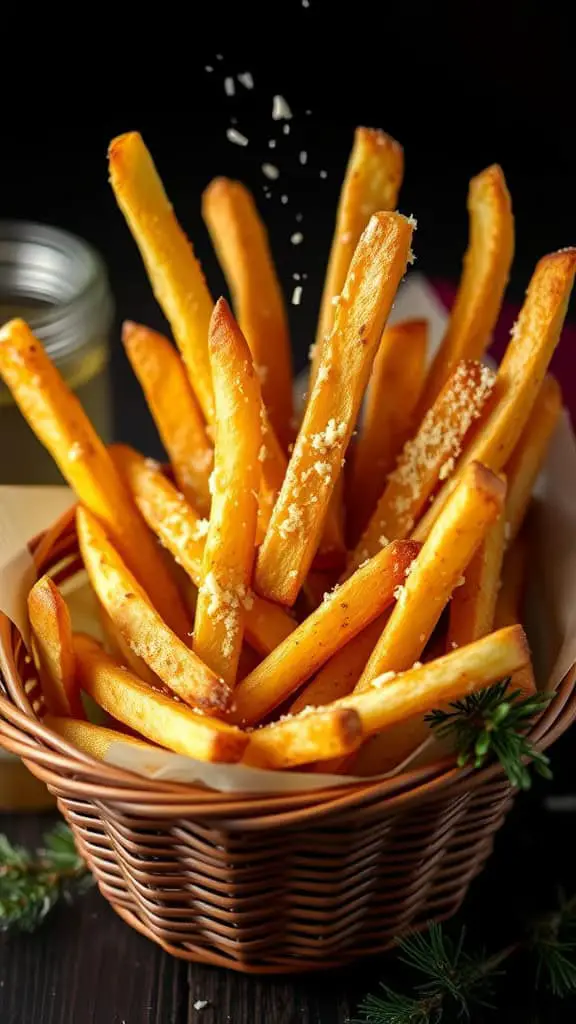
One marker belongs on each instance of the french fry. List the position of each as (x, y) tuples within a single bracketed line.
[(315, 735), (338, 677), (183, 532), (509, 606), (120, 649), (155, 716), (389, 700), (372, 183), (95, 740), (51, 636), (343, 614), (520, 375), (486, 268), (528, 456), (473, 605), (427, 458), (140, 624), (173, 270), (437, 570), (230, 541), (296, 525), (174, 409), (59, 421), (241, 242), (393, 391)]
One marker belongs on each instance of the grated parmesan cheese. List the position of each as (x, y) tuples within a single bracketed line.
[(292, 522), (386, 677), (201, 529), (325, 440), (76, 451)]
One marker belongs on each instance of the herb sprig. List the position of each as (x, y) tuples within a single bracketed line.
[(31, 884), (493, 723)]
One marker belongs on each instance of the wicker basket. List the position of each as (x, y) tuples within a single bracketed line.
[(267, 884)]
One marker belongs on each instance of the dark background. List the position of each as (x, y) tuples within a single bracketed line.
[(459, 88)]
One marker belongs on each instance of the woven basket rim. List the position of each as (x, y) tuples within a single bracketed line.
[(59, 764)]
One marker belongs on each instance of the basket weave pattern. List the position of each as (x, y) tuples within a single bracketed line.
[(281, 883)]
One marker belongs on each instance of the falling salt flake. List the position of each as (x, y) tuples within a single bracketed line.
[(271, 143), (296, 277), (208, 68), (323, 174), (303, 156), (297, 295), (299, 217), (246, 80), (296, 238), (305, 3), (219, 56), (308, 112), (304, 277), (286, 129), (200, 1004), (229, 87), (280, 109), (233, 135), (271, 171), (284, 199)]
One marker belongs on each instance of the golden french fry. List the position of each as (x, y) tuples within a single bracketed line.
[(95, 740), (343, 614), (183, 532), (141, 625), (338, 677), (174, 409), (315, 735), (528, 456), (173, 270), (296, 525), (486, 268), (51, 636), (59, 421), (426, 459), (230, 542), (393, 391), (437, 570), (509, 605), (372, 183), (473, 604), (120, 649), (241, 242), (153, 715), (520, 375), (394, 697)]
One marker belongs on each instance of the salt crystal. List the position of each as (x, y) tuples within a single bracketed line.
[(246, 80), (297, 238), (284, 199), (297, 295), (200, 1004), (323, 174), (229, 87), (280, 109), (272, 143), (303, 157), (233, 135), (286, 129), (271, 171)]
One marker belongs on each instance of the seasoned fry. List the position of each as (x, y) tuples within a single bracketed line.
[(474, 506), (295, 527), (315, 735), (120, 649), (59, 421), (338, 677), (466, 670), (158, 718), (473, 604), (140, 624), (486, 268), (230, 541), (528, 456), (393, 391), (372, 183), (183, 532), (428, 458), (174, 409), (241, 242), (51, 636), (173, 270), (95, 740), (520, 375), (343, 614)]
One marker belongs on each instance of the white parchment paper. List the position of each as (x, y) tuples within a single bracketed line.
[(24, 511)]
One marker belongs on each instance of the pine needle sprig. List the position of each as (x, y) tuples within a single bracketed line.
[(31, 884), (553, 939), (493, 723)]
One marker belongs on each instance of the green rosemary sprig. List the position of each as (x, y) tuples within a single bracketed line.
[(451, 982), (493, 723), (31, 884)]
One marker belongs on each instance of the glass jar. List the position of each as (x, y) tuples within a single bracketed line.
[(58, 284)]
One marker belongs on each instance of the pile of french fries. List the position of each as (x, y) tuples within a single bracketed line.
[(299, 594)]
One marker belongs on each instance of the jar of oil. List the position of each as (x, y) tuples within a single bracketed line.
[(58, 284)]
